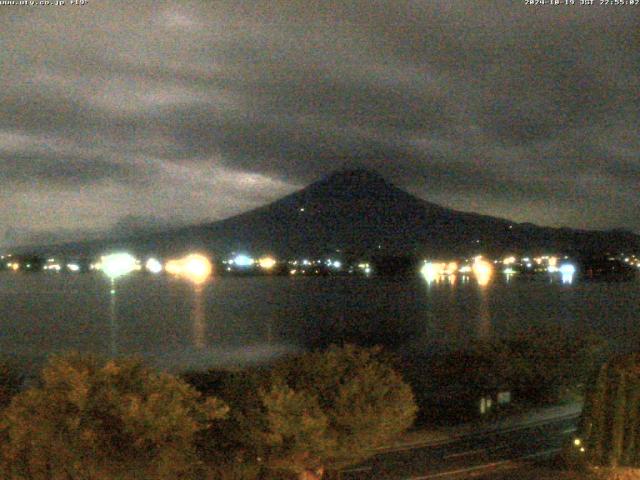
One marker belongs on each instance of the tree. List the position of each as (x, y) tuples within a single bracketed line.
[(93, 420), (610, 422), (319, 410), (541, 364), (10, 382)]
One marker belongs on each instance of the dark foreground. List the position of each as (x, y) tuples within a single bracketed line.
[(489, 454)]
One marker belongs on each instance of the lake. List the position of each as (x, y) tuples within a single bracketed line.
[(241, 320)]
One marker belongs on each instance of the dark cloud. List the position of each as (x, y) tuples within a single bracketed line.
[(65, 170), (214, 107)]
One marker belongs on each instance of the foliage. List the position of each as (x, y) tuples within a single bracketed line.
[(538, 365), (611, 416), (542, 363), (314, 411), (10, 382), (93, 420), (614, 474)]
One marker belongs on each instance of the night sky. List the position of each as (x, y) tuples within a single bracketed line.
[(153, 112)]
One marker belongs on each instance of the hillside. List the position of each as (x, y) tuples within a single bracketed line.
[(358, 212)]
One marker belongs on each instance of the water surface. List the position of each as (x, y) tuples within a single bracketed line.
[(238, 320)]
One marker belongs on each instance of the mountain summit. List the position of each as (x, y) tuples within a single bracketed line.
[(358, 212)]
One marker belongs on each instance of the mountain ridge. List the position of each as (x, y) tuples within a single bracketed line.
[(358, 212)]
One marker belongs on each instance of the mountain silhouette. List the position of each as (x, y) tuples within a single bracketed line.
[(357, 212)]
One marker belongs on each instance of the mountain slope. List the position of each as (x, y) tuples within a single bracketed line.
[(358, 212)]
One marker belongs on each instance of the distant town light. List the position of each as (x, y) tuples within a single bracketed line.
[(509, 260), (483, 271), (73, 267), (567, 268), (267, 263), (430, 271), (194, 267), (117, 264), (243, 260), (567, 271), (153, 265)]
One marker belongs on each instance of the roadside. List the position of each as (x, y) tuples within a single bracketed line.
[(443, 435), (534, 472)]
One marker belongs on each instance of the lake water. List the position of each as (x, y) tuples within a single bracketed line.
[(239, 320)]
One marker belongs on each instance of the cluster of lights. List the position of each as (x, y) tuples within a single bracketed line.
[(632, 260), (117, 264), (194, 267), (15, 266), (434, 271), (543, 263), (242, 260), (267, 263), (365, 268), (483, 270)]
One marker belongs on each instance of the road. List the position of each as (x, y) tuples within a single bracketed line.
[(475, 454)]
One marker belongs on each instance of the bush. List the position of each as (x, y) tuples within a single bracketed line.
[(611, 416), (10, 382), (615, 474), (310, 412), (93, 420)]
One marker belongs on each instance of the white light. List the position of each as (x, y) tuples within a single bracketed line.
[(117, 264), (73, 267), (337, 264), (430, 271), (243, 260), (567, 269), (153, 265)]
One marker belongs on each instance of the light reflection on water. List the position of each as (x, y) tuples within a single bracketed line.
[(198, 317), (178, 325)]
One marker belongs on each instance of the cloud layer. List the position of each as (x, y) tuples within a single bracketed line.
[(206, 109)]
